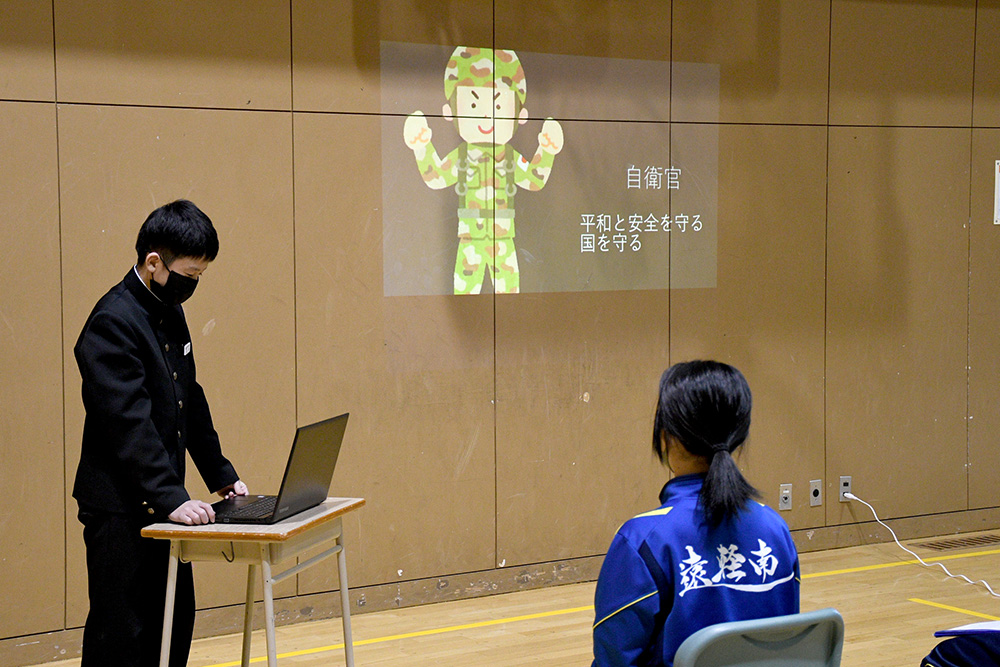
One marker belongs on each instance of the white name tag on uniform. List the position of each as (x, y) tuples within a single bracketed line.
[(187, 349)]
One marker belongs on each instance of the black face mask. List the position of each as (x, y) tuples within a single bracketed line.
[(178, 289)]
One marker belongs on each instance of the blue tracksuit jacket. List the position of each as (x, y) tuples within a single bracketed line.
[(668, 574)]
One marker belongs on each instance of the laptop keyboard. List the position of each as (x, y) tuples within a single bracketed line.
[(260, 508)]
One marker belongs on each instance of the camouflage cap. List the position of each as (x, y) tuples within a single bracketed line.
[(471, 66)]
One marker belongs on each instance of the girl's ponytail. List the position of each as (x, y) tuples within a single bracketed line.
[(726, 490)]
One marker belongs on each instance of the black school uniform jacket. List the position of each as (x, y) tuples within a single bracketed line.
[(144, 408)]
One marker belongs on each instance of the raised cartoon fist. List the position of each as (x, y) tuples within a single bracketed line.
[(416, 132), (550, 139)]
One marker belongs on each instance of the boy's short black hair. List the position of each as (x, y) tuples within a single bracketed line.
[(177, 229)]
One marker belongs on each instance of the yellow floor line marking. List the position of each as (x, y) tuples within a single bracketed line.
[(559, 612), (419, 633), (867, 568), (958, 609)]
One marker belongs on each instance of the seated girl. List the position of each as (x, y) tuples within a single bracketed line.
[(710, 553)]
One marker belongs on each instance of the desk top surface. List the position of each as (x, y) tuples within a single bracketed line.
[(328, 510)]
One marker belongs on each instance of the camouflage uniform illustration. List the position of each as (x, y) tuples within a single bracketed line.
[(485, 89)]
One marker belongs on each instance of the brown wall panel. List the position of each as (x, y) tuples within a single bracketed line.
[(901, 63), (336, 45), (416, 373), (117, 164), (577, 381), (185, 54), (637, 30), (984, 313), (608, 62), (766, 314), (27, 65), (897, 267), (773, 58), (31, 427), (986, 103)]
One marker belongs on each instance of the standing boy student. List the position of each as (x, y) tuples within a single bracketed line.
[(144, 410)]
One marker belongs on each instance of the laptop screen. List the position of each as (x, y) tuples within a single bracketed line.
[(310, 465)]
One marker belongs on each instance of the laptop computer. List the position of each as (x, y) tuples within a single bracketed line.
[(306, 483)]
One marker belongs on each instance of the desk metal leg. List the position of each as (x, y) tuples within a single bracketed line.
[(248, 615), (345, 602), (168, 605), (265, 565)]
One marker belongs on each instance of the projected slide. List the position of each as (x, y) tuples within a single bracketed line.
[(573, 187)]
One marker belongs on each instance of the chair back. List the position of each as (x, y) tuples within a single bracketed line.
[(812, 639)]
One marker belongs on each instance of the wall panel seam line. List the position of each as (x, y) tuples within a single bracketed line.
[(134, 105), (496, 399), (581, 120), (26, 100), (968, 332), (892, 126), (670, 195), (972, 105), (62, 324), (968, 273), (295, 263), (826, 265), (968, 343), (295, 290)]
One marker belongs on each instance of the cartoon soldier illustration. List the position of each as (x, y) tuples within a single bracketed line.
[(485, 89)]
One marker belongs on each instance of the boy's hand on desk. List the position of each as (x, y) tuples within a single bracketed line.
[(193, 513), (237, 489)]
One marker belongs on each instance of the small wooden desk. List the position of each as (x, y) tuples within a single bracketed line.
[(262, 546)]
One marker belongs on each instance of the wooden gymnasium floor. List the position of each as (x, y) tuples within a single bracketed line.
[(891, 608)]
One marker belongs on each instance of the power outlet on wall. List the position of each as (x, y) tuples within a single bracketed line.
[(845, 487), (785, 497), (815, 492)]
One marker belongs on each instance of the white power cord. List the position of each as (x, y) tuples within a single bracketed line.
[(851, 496)]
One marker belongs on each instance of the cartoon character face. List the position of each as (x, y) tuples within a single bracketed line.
[(486, 115)]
